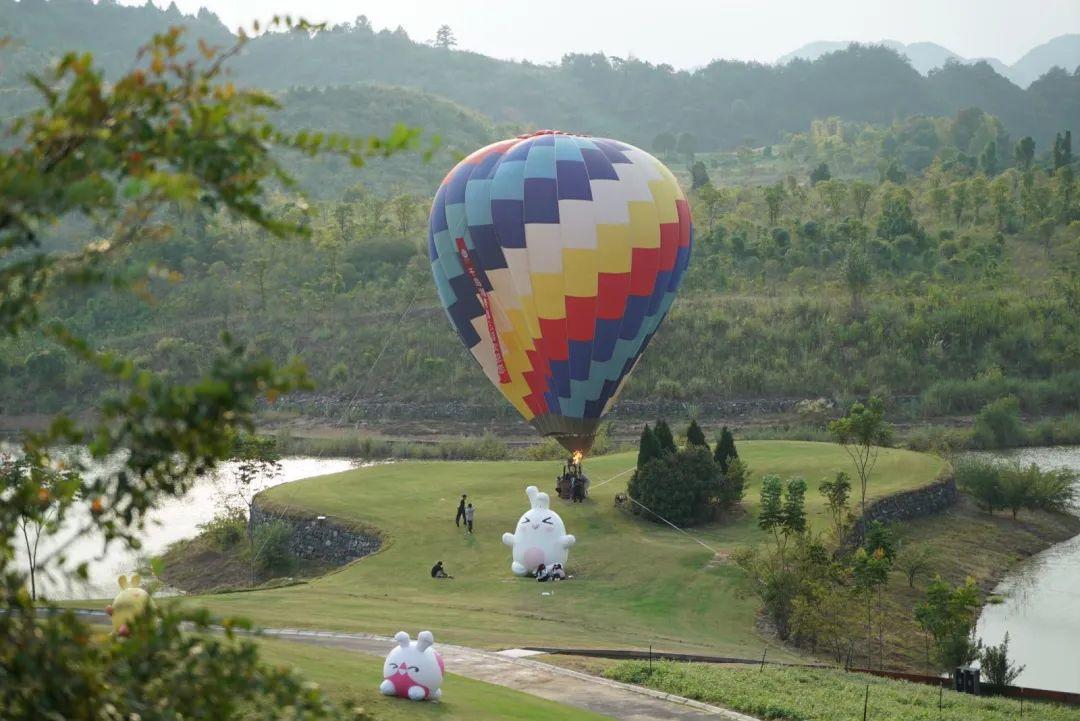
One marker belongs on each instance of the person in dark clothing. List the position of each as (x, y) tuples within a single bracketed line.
[(437, 571), (543, 575), (469, 511), (460, 511)]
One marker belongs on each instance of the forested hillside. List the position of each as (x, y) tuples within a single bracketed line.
[(723, 105), (869, 232)]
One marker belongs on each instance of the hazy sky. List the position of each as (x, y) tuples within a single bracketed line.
[(686, 33)]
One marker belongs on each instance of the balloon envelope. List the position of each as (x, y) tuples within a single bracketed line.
[(556, 256)]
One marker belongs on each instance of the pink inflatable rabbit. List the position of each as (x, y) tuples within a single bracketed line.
[(413, 670)]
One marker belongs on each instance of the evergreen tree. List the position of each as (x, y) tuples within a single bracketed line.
[(699, 176), (664, 437), (695, 436), (988, 161), (648, 447), (793, 513), (725, 450), (771, 513), (1025, 153), (820, 174), (1062, 150)]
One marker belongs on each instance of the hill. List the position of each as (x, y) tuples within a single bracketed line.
[(1062, 52), (723, 104)]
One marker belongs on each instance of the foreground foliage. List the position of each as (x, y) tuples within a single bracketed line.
[(105, 158)]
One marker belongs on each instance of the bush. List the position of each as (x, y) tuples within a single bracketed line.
[(271, 547), (226, 530), (684, 487), (995, 666), (979, 478), (998, 424), (733, 484)]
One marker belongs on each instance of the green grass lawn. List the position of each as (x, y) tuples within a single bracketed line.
[(820, 695), (355, 678), (636, 583)]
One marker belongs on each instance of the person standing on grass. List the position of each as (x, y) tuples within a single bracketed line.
[(469, 516), (460, 511)]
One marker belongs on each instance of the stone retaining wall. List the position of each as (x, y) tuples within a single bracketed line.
[(926, 501), (318, 538)]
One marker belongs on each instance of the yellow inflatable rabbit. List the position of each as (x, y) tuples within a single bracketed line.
[(128, 605)]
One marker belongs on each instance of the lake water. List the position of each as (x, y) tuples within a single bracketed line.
[(1041, 610), (173, 520)]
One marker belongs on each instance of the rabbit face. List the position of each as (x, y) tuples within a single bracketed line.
[(540, 535), (413, 665)]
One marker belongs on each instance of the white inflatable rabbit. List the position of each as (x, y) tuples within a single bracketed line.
[(413, 670), (540, 536)]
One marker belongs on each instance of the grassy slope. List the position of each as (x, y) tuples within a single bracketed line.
[(355, 678), (967, 542), (814, 695), (637, 583)]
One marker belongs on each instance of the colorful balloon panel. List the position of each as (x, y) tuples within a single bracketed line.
[(556, 257)]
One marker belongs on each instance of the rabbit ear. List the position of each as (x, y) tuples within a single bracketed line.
[(532, 492), (424, 640), (122, 582), (402, 638), (136, 580), (542, 502)]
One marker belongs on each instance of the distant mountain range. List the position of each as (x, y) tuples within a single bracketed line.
[(1063, 51)]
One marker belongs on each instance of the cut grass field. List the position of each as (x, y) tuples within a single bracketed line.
[(636, 583), (797, 694), (354, 678)]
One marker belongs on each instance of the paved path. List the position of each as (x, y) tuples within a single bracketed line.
[(573, 688)]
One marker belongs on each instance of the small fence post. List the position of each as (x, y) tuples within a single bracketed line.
[(866, 702), (1021, 702), (940, 694), (763, 658), (650, 659)]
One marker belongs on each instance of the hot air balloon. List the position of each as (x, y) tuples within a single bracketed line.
[(556, 257)]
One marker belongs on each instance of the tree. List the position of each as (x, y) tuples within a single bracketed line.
[(112, 157), (683, 488), (880, 537), (959, 200), (1062, 150), (686, 145), (699, 176), (870, 575), (664, 437), (444, 38), (947, 616), (861, 433), (725, 451), (648, 447), (820, 173), (774, 201), (988, 161), (861, 192), (664, 143), (39, 520), (980, 479), (858, 272), (914, 561), (783, 509), (695, 436), (836, 493), (1001, 200), (996, 667), (257, 465), (833, 193), (1024, 153)]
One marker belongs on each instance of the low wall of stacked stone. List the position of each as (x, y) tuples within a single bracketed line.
[(906, 505), (319, 538)]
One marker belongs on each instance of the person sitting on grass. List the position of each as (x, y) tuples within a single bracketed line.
[(558, 573), (437, 571), (542, 573)]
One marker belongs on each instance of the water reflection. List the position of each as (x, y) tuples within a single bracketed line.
[(1041, 607), (173, 520)]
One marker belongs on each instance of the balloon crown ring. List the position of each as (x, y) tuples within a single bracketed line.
[(537, 133)]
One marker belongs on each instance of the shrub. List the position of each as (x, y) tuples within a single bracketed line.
[(880, 537), (979, 478), (695, 436), (683, 487), (995, 666), (948, 616), (998, 424), (270, 547), (226, 530), (733, 484)]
